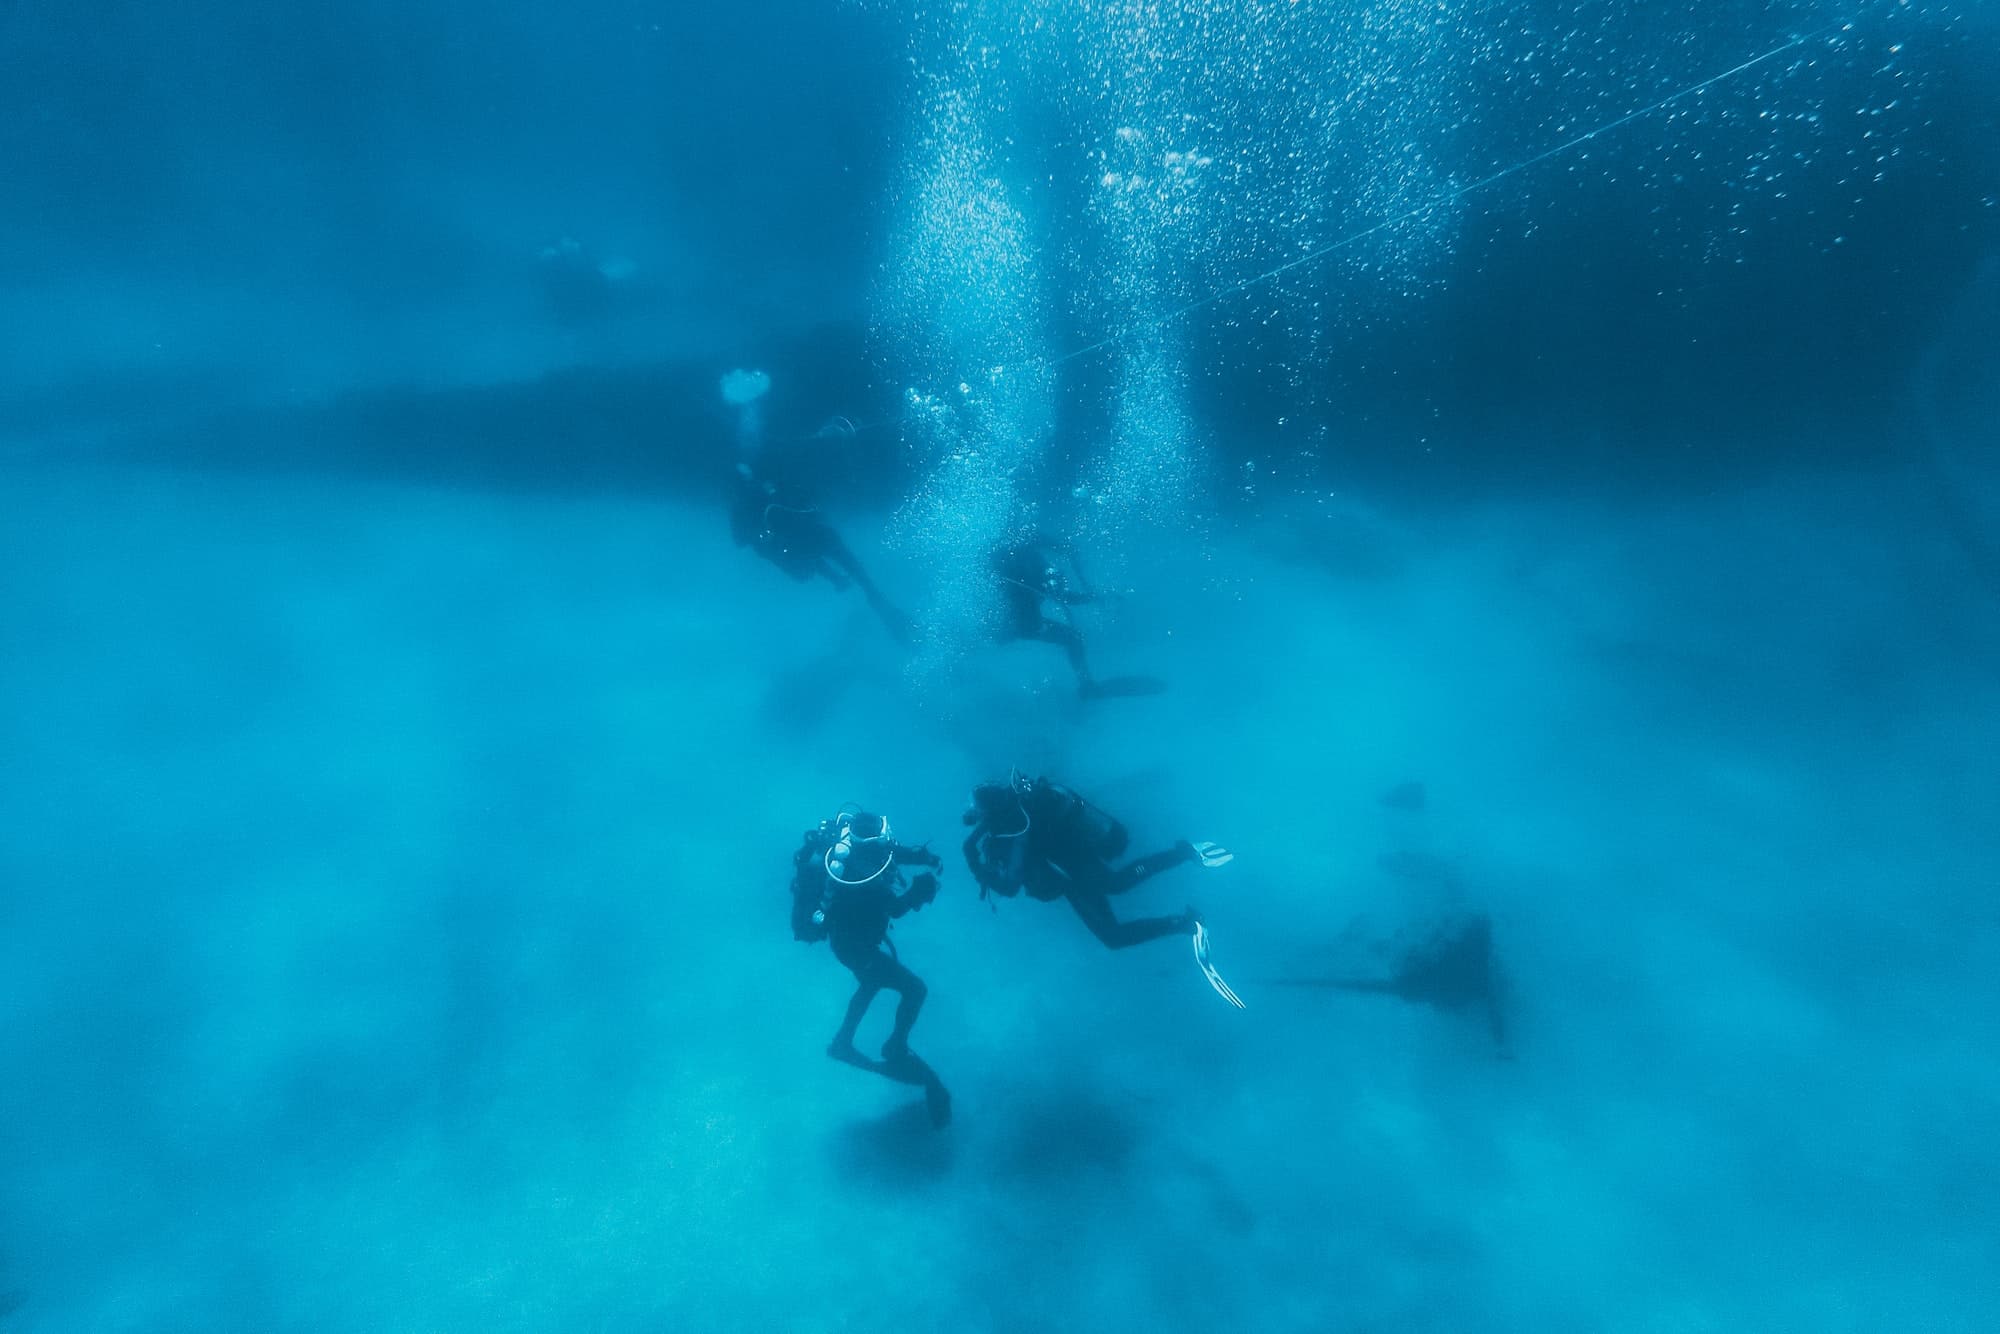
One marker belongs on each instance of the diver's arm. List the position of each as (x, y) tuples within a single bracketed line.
[(806, 924), (920, 856), (982, 871), (922, 890)]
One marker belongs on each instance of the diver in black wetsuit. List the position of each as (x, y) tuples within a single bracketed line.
[(793, 537), (782, 526), (1039, 836), (1029, 579), (846, 889)]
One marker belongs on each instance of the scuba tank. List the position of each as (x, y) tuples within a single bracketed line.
[(1083, 824), (1108, 836), (848, 851), (811, 890)]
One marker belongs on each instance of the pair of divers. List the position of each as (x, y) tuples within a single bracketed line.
[(1027, 835)]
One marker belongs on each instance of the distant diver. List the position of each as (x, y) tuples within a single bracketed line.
[(783, 527), (1449, 966), (1030, 579), (847, 886), (1041, 837)]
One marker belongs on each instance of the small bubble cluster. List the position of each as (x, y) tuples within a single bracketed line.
[(960, 290)]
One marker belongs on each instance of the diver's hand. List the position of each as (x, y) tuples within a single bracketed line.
[(923, 856), (923, 889)]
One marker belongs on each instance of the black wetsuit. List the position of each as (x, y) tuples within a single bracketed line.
[(793, 537), (855, 922), (1028, 581), (790, 535), (857, 926), (1067, 851)]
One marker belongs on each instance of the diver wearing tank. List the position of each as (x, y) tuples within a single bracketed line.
[(1029, 579), (1041, 837), (780, 524), (847, 887)]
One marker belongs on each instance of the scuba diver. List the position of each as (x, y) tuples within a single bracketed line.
[(1449, 965), (1039, 836), (782, 527), (846, 889), (1030, 578)]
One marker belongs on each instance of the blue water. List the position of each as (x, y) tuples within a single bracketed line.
[(400, 767)]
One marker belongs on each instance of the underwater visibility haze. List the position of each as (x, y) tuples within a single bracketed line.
[(1000, 665)]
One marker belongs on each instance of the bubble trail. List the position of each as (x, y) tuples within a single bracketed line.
[(1448, 198), (1442, 201)]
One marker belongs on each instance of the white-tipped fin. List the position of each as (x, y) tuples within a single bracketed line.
[(1208, 968), (1213, 854)]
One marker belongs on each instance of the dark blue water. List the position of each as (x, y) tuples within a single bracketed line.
[(1572, 578)]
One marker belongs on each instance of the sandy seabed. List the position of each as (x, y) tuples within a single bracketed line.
[(394, 936)]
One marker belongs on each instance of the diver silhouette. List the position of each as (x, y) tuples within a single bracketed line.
[(846, 889), (1030, 579), (779, 522), (1039, 836)]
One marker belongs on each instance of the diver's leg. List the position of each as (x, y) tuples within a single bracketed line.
[(1124, 877), (877, 972), (835, 551), (1021, 616), (842, 1047), (874, 974), (1071, 643), (911, 992), (1095, 910), (898, 1061), (838, 555)]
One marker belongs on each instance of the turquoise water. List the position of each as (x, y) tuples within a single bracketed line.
[(400, 767)]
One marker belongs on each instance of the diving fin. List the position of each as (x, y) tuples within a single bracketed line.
[(937, 1101), (1212, 855), (1208, 968)]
